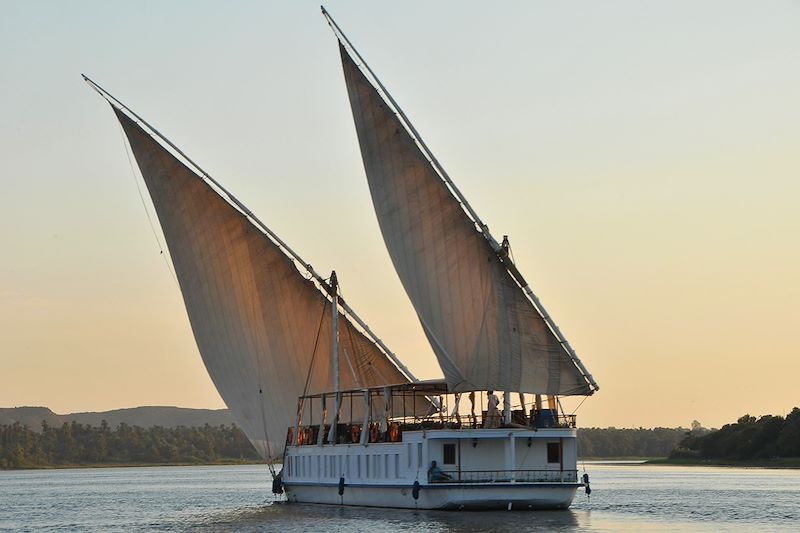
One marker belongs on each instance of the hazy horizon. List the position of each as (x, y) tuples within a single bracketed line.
[(641, 157)]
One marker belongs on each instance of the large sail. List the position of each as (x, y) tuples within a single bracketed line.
[(484, 330), (258, 322)]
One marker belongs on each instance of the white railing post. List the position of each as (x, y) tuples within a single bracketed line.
[(512, 458)]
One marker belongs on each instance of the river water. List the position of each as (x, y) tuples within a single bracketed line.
[(237, 498)]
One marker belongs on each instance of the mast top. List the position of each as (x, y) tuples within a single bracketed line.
[(333, 283)]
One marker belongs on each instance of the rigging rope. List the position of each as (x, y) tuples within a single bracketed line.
[(144, 205), (270, 458), (264, 419), (301, 403), (579, 405)]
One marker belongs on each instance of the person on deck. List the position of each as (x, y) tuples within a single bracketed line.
[(472, 408), (435, 474), (492, 414)]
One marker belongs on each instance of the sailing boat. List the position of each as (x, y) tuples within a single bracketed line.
[(364, 430), (488, 331)]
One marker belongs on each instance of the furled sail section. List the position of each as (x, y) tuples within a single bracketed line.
[(484, 330), (258, 322)]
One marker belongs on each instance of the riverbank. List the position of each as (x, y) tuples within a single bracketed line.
[(221, 462), (77, 444), (789, 463)]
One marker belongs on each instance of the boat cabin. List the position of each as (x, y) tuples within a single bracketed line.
[(391, 435)]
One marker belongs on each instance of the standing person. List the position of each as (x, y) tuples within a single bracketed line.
[(492, 414), (472, 408), (455, 412)]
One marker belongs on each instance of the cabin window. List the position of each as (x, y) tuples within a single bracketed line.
[(449, 454), (553, 452), (419, 455)]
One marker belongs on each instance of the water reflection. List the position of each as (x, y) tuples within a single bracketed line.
[(281, 516)]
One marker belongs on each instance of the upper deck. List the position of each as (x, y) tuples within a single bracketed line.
[(384, 414)]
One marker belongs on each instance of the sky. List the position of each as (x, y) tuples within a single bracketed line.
[(642, 157)]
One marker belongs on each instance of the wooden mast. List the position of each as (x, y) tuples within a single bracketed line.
[(337, 397)]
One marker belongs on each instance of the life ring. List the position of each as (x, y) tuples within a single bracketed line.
[(355, 433), (301, 437)]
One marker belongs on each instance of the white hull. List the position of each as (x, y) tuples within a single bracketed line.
[(486, 469), (516, 496)]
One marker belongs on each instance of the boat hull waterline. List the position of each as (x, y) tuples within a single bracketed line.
[(497, 496)]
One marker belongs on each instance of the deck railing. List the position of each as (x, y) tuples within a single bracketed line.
[(506, 476), (351, 433), (548, 419)]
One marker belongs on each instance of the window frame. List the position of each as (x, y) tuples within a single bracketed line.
[(447, 449), (554, 450)]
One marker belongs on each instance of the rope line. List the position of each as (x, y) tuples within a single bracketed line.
[(314, 353), (144, 206), (579, 405), (264, 419)]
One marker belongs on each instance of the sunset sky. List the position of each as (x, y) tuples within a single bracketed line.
[(642, 157)]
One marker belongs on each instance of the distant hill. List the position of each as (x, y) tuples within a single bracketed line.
[(145, 417)]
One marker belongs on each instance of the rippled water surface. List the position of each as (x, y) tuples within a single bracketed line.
[(238, 498)]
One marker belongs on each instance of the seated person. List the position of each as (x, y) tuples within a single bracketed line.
[(435, 474)]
